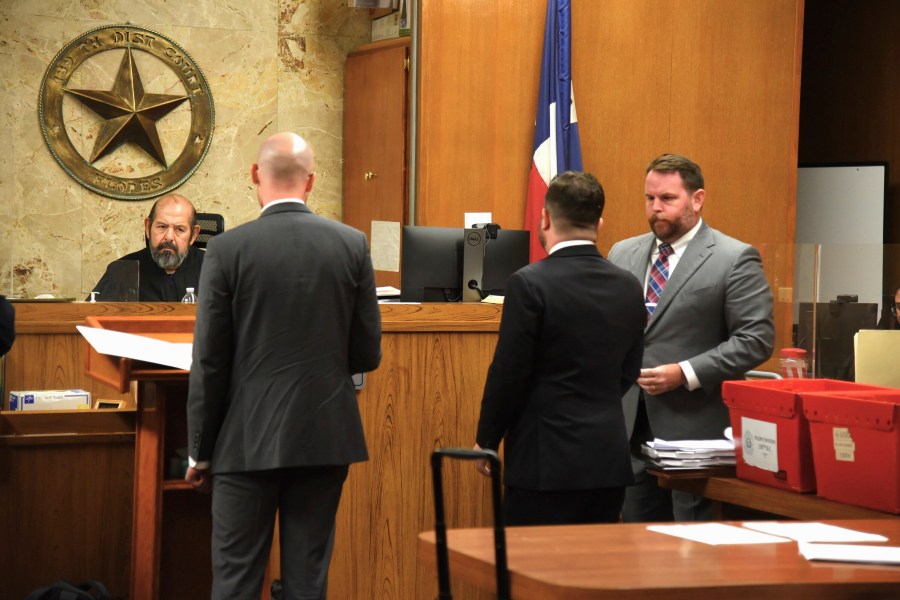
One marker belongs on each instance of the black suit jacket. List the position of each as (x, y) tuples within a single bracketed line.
[(7, 325), (570, 344), (286, 315)]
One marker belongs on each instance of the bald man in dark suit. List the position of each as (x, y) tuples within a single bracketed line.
[(287, 315)]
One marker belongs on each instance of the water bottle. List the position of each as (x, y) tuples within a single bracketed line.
[(190, 297)]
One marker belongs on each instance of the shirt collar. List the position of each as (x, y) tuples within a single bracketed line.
[(281, 201), (570, 243)]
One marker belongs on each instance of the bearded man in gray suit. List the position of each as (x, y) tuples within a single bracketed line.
[(287, 314), (711, 320)]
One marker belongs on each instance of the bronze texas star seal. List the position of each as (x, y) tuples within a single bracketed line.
[(125, 113)]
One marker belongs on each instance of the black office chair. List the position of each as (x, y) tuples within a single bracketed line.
[(210, 224)]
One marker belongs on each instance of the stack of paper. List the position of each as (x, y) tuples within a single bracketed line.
[(688, 454)]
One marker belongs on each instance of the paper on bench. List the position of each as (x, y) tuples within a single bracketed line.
[(138, 347)]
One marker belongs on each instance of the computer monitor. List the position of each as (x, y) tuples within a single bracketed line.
[(431, 267), (431, 264), (503, 257), (836, 324)]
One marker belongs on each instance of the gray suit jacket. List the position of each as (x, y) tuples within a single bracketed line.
[(716, 313), (286, 314)]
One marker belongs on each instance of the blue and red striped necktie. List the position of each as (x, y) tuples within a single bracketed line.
[(659, 275)]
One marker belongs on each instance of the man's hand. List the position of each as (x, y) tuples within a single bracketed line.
[(662, 379), (200, 479), (482, 465)]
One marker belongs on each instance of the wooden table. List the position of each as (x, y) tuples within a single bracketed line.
[(785, 503), (626, 561)]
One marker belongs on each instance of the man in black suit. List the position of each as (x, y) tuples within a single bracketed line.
[(570, 345), (287, 315)]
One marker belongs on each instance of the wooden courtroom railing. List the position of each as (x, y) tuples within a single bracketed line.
[(425, 394)]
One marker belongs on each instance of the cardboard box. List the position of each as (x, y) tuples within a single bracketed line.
[(767, 417), (50, 400), (856, 447)]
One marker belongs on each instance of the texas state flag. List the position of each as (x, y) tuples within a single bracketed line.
[(556, 144)]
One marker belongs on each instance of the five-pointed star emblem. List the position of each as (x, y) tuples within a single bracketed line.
[(129, 114)]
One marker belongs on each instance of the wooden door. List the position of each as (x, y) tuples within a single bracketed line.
[(375, 143)]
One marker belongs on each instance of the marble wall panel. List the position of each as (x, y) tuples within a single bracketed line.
[(216, 14), (272, 65)]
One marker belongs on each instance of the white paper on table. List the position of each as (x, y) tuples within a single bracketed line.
[(138, 347), (887, 555), (813, 532), (717, 534)]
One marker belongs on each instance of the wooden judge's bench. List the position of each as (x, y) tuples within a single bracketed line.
[(88, 494)]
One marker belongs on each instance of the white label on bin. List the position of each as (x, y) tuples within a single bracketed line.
[(760, 444), (844, 447)]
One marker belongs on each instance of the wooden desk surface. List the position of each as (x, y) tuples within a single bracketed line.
[(785, 503), (627, 561)]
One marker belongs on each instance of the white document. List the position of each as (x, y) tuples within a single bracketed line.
[(138, 347), (887, 555), (470, 218), (717, 534), (813, 532), (760, 443), (387, 291), (659, 444), (384, 245)]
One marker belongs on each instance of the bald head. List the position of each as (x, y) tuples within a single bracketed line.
[(178, 203), (284, 168)]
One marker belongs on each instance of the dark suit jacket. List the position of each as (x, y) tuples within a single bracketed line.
[(716, 313), (286, 315), (569, 346), (7, 325)]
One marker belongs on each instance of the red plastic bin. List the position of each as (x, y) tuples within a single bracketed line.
[(777, 404), (856, 446)]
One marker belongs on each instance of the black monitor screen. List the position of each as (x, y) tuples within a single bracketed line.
[(431, 264), (503, 257), (431, 268), (836, 324)]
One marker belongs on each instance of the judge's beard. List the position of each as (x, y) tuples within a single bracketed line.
[(167, 260)]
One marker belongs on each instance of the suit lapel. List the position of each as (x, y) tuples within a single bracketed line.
[(640, 257), (697, 252)]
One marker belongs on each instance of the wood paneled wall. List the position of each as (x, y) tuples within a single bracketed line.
[(851, 95), (715, 80), (426, 394)]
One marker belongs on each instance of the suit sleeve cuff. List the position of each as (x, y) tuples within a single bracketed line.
[(201, 465), (692, 382)]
